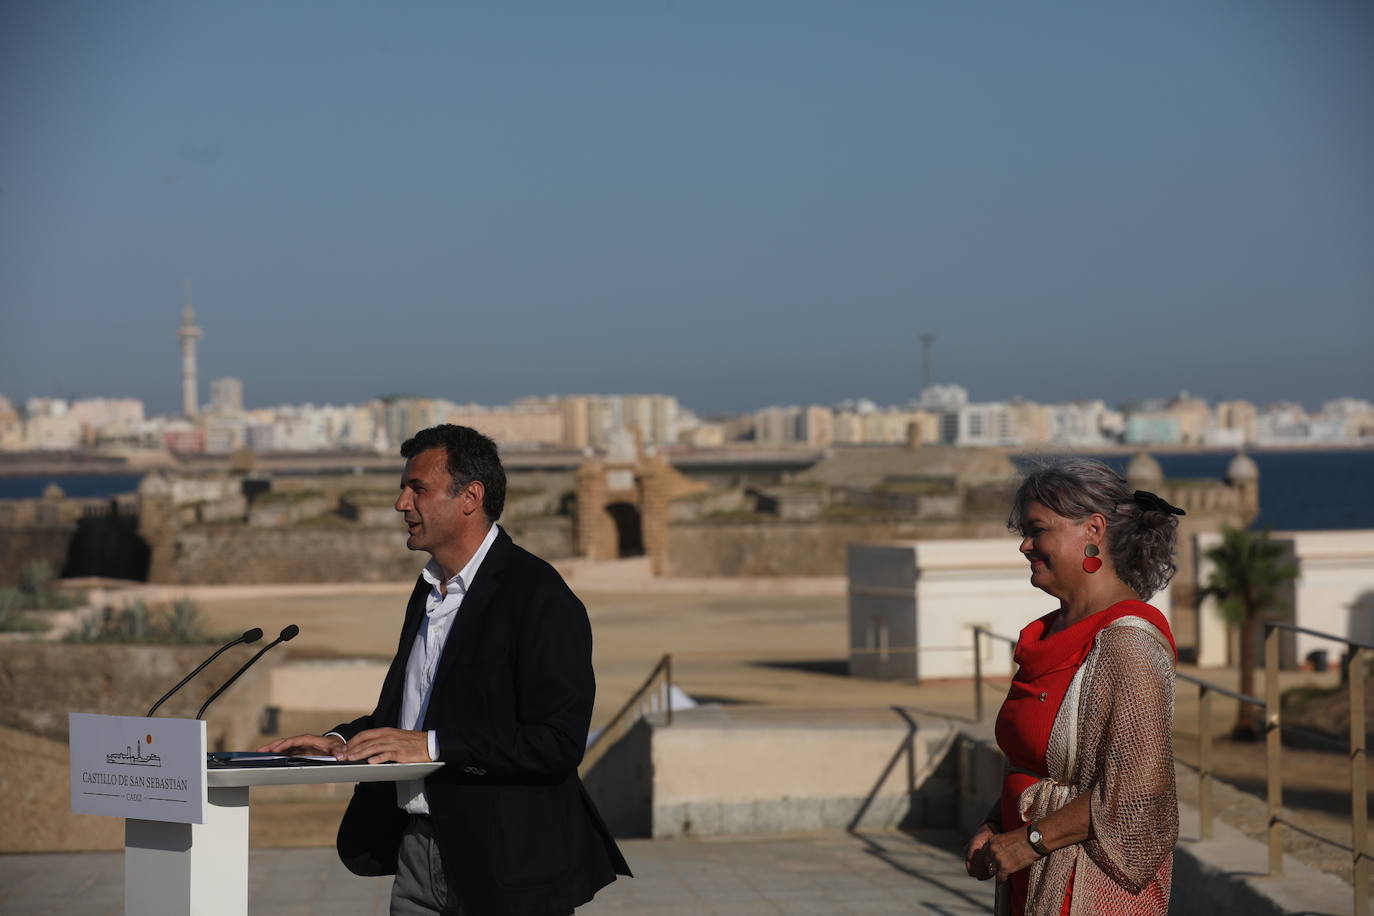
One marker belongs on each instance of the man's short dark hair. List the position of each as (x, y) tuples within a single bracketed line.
[(471, 456)]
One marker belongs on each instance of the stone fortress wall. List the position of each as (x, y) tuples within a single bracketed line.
[(327, 553), (238, 528), (98, 535), (244, 528), (802, 525)]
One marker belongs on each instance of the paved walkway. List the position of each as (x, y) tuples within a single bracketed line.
[(825, 873)]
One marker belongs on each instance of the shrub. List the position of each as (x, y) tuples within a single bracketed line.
[(178, 623), (36, 591), (12, 616)]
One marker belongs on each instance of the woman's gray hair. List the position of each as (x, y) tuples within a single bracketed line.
[(1140, 541)]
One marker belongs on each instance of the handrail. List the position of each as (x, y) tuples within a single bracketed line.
[(1205, 689), (647, 690), (1356, 661), (810, 653), (986, 632), (1217, 688), (636, 703), (1294, 628), (978, 633)]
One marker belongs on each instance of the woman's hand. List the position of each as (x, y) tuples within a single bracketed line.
[(976, 861), (1008, 853)]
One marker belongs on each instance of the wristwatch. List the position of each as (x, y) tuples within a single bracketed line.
[(1036, 839)]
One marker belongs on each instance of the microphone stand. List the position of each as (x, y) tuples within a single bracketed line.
[(287, 634), (249, 636)]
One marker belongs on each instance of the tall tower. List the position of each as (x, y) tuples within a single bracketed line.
[(927, 365), (189, 334)]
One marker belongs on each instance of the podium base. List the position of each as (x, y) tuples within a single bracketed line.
[(184, 869)]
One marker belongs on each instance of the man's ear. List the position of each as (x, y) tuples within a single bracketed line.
[(472, 496)]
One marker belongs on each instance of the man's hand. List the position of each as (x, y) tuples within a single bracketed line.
[(388, 745), (321, 745), (976, 861), (1010, 852)]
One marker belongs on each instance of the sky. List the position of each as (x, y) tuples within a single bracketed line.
[(738, 203)]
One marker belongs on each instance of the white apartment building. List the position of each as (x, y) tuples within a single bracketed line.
[(226, 395), (1084, 424), (982, 425), (776, 425)]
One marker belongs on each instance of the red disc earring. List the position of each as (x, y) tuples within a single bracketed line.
[(1091, 561)]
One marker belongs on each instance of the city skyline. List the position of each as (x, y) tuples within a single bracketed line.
[(206, 400), (739, 205), (613, 424), (229, 389)]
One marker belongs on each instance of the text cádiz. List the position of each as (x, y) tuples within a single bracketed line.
[(145, 782)]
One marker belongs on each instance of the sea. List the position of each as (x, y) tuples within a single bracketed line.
[(1299, 490), (77, 486)]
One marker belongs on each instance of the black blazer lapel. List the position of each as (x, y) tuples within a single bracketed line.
[(466, 635), (389, 703)]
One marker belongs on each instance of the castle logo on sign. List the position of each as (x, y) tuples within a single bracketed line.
[(134, 756), (166, 784)]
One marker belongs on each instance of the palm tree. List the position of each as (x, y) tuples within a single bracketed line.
[(1248, 571)]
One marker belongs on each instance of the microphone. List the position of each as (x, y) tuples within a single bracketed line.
[(249, 636), (287, 634)]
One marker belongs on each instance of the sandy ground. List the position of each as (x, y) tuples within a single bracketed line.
[(751, 647), (631, 632)]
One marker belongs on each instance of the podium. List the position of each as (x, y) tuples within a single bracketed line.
[(203, 868), (190, 861)]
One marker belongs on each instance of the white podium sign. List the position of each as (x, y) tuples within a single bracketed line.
[(136, 767)]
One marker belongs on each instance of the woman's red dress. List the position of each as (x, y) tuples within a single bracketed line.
[(1046, 666)]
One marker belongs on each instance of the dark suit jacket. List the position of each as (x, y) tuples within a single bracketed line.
[(511, 706)]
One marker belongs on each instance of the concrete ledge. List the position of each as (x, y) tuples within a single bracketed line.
[(780, 815), (741, 770), (736, 770), (1226, 874)]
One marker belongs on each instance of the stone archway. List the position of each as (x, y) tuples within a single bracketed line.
[(629, 530), (622, 508)]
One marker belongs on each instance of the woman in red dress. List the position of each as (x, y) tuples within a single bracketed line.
[(1088, 814)]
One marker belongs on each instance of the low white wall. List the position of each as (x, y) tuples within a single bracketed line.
[(1335, 588), (1213, 638), (930, 595), (1334, 592)]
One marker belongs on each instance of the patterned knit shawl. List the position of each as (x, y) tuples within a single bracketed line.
[(1113, 740)]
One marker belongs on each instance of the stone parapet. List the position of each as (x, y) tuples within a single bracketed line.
[(242, 554), (734, 770), (124, 680)]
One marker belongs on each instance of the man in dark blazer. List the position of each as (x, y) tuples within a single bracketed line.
[(492, 676)]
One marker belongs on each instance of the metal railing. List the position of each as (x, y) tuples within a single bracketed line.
[(1356, 672), (1205, 690), (1356, 660), (978, 682), (654, 695)]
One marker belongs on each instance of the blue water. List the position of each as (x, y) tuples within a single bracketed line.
[(79, 486), (1299, 491)]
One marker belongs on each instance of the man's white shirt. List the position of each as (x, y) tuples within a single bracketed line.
[(441, 609)]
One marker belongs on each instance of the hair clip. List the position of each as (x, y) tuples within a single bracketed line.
[(1147, 500)]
